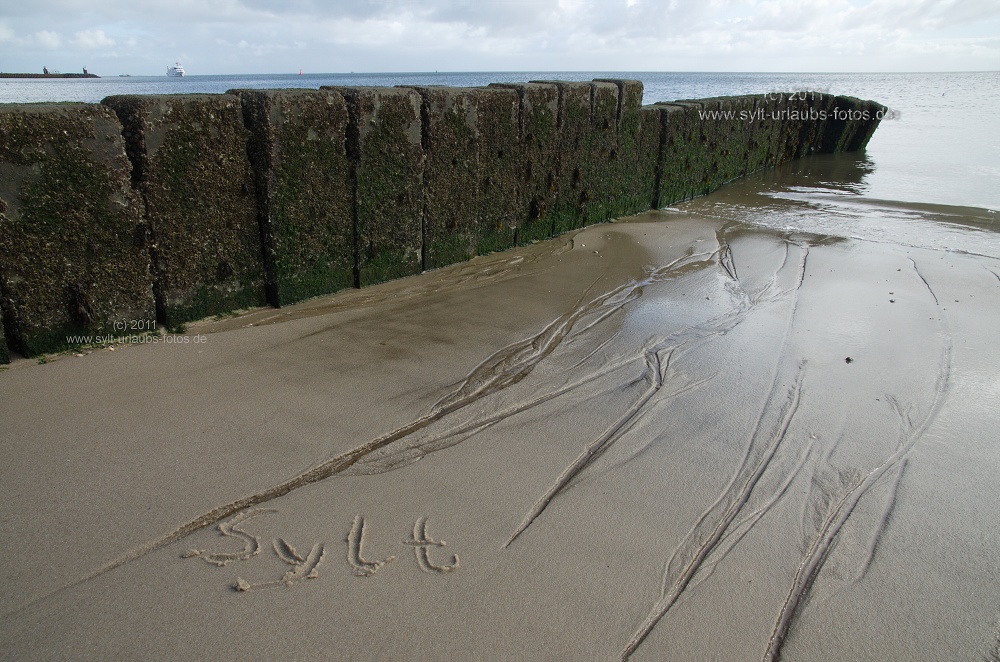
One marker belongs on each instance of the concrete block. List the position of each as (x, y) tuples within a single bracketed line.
[(384, 144), (72, 259), (851, 125), (763, 134), (189, 153), (874, 114), (4, 352), (712, 141), (633, 160), (572, 184), (639, 146), (305, 194), (727, 144), (502, 162), (801, 123), (451, 174), (652, 118), (600, 158), (683, 157), (814, 112), (539, 138)]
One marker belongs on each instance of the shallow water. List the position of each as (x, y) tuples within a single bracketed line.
[(838, 196)]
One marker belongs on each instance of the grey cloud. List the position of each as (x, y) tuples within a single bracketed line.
[(490, 15)]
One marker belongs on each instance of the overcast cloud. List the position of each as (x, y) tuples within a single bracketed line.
[(141, 37)]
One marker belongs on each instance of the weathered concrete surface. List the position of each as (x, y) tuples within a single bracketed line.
[(502, 156), (601, 155), (305, 196), (708, 142), (851, 126), (450, 138), (384, 144), (71, 238), (631, 168), (539, 139), (650, 150), (189, 154), (681, 156), (624, 152), (573, 144), (4, 353)]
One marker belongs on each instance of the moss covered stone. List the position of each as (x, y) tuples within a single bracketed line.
[(680, 160), (4, 352), (708, 142), (572, 185), (651, 149), (502, 161), (384, 143), (600, 155), (450, 133), (189, 154), (72, 260), (631, 177), (304, 190), (538, 114)]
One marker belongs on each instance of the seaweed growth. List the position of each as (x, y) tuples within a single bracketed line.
[(70, 228)]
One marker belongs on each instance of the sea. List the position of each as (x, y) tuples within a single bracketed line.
[(930, 177)]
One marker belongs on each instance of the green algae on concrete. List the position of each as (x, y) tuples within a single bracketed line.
[(815, 108), (304, 190), (539, 139), (708, 142), (451, 172), (632, 168), (501, 169), (601, 155), (725, 142), (642, 193), (4, 352), (384, 144), (682, 155), (71, 235), (189, 154), (572, 192)]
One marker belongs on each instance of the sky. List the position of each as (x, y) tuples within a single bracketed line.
[(143, 37)]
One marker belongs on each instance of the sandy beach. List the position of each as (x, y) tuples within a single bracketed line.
[(671, 437)]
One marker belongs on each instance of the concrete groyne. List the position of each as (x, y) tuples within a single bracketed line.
[(146, 210)]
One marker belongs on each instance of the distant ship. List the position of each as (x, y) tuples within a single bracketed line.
[(176, 70)]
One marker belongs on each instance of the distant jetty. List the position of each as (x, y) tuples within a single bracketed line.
[(3, 75)]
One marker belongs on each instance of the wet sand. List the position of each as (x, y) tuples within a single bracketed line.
[(672, 438)]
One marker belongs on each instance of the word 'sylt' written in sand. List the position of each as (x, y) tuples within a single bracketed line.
[(307, 566)]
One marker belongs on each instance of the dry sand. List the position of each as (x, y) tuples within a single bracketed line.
[(668, 436)]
